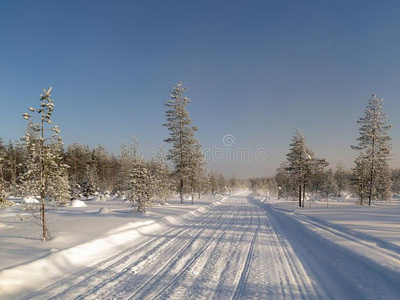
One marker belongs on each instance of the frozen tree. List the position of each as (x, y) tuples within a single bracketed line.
[(396, 181), (195, 166), (221, 182), (125, 168), (102, 165), (286, 185), (359, 178), (233, 183), (46, 174), (142, 187), (375, 148), (317, 174), (341, 177), (212, 182), (79, 160), (181, 134), (12, 166), (162, 177), (299, 163), (329, 185)]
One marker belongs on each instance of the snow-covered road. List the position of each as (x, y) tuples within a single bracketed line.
[(241, 249)]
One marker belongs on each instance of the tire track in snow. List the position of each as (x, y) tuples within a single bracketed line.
[(143, 291), (337, 271), (195, 284), (244, 272), (116, 265)]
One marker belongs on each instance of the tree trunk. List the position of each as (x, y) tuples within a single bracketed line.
[(181, 191), (304, 193), (299, 195), (42, 184)]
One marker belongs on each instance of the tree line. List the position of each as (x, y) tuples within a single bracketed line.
[(370, 179), (41, 167)]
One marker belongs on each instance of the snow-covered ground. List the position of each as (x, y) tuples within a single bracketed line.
[(238, 248), (379, 223)]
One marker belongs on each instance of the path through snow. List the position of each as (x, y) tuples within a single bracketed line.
[(241, 249)]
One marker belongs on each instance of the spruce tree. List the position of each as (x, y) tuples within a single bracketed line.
[(142, 187), (375, 148), (299, 163)]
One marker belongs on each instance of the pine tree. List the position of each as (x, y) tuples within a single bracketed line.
[(195, 166), (46, 174), (125, 168), (212, 182), (374, 144), (317, 175), (329, 184), (299, 163), (162, 178), (141, 186), (340, 177), (181, 134), (359, 178), (396, 181), (285, 182)]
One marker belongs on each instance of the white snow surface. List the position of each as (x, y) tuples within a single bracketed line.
[(78, 203), (30, 200), (240, 247)]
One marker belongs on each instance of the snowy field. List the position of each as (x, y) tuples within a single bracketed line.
[(239, 247), (379, 223)]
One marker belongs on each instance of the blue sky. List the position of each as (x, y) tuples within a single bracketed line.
[(255, 69)]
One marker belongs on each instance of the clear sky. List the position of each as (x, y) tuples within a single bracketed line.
[(255, 69)]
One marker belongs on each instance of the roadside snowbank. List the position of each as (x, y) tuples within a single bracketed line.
[(25, 278)]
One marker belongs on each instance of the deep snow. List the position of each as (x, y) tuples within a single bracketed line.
[(240, 247)]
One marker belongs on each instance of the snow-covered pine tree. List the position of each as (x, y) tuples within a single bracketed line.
[(141, 186), (359, 178), (300, 162), (2, 189), (396, 181), (46, 174), (195, 166), (13, 164), (221, 182), (212, 182), (286, 184), (181, 133), (162, 178), (329, 185), (125, 168), (128, 156), (102, 165), (374, 144), (341, 177), (233, 183), (317, 174)]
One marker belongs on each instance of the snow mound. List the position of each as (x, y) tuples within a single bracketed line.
[(78, 203), (104, 210), (30, 200)]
